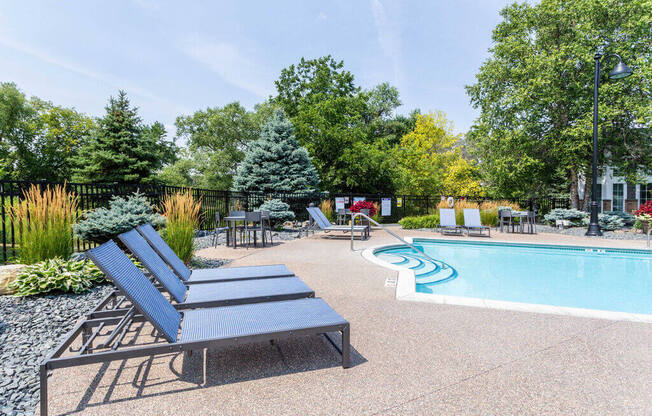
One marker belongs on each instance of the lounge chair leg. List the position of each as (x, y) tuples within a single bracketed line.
[(43, 373), (346, 347)]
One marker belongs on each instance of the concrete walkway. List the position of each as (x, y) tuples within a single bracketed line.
[(409, 358)]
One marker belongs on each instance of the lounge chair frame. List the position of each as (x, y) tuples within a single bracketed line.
[(449, 228), (90, 330), (321, 221)]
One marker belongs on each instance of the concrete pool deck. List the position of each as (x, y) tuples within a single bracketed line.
[(408, 357)]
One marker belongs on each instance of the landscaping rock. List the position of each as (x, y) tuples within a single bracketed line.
[(29, 329), (8, 274)]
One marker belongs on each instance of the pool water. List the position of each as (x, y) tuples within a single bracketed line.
[(618, 280)]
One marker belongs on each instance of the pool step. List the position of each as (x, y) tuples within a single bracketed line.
[(426, 270)]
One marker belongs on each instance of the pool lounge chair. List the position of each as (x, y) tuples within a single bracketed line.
[(322, 222), (205, 294), (184, 331), (447, 223), (208, 275), (472, 222)]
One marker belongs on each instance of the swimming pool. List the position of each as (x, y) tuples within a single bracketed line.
[(587, 278)]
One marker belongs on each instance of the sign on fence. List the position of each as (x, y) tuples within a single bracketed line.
[(357, 199), (386, 207), (399, 202), (339, 203)]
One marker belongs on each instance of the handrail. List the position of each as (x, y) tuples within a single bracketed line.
[(360, 214)]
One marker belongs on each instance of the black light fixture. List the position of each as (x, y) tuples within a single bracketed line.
[(620, 71)]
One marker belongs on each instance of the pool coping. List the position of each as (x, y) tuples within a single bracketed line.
[(406, 290)]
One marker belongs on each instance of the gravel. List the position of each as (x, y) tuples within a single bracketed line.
[(205, 240), (30, 328), (624, 234)]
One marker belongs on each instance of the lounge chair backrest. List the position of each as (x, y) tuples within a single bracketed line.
[(135, 286), (323, 218), (318, 219), (154, 263), (447, 217), (472, 217), (160, 246)]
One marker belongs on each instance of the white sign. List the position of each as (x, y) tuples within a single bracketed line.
[(339, 203), (386, 207), (357, 199)]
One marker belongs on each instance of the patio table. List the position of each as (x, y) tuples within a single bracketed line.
[(523, 216)]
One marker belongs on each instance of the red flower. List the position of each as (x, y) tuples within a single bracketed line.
[(364, 205), (645, 209)]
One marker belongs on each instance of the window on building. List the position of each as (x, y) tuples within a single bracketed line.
[(646, 193), (619, 197)]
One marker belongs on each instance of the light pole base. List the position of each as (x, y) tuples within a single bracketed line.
[(594, 230)]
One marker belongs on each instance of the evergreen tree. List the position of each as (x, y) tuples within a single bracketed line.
[(276, 162), (121, 148)]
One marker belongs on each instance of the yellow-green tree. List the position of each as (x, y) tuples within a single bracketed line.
[(431, 160)]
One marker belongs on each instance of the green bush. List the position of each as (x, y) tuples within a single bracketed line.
[(627, 218), (102, 224), (57, 274), (425, 221), (607, 222), (574, 216), (279, 211)]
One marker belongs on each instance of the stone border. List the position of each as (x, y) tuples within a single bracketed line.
[(406, 290)]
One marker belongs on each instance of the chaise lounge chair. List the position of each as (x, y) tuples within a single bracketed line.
[(472, 222), (186, 331), (447, 223), (208, 294), (208, 275), (322, 222)]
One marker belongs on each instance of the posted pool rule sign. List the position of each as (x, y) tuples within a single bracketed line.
[(386, 207)]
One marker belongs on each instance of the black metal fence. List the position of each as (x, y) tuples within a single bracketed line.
[(92, 196)]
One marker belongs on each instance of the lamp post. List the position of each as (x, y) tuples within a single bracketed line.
[(620, 71)]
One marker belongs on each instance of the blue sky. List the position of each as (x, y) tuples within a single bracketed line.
[(173, 58)]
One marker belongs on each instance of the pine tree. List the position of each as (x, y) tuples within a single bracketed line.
[(276, 162), (121, 148)]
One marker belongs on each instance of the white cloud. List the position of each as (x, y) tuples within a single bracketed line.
[(229, 63), (389, 38)]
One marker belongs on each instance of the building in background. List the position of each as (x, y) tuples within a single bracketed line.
[(615, 194)]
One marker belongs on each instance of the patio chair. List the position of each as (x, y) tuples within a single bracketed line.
[(217, 229), (188, 331), (215, 293), (253, 224), (505, 218), (266, 217), (322, 222), (472, 222), (447, 223), (208, 275)]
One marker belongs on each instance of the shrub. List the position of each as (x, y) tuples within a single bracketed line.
[(627, 218), (182, 213), (425, 221), (57, 274), (607, 222), (104, 224), (365, 205), (326, 207), (279, 211), (574, 216), (44, 220)]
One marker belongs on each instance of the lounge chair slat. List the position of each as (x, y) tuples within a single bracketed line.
[(132, 282), (240, 273), (247, 320), (237, 292), (164, 250)]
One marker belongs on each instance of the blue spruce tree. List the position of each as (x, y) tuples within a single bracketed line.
[(275, 162)]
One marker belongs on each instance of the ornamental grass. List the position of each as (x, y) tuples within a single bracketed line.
[(44, 219), (182, 212)]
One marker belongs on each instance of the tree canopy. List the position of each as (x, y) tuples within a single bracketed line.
[(535, 95)]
